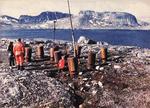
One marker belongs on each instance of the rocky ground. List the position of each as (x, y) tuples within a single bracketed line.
[(123, 82)]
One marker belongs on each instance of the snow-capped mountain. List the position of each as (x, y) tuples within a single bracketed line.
[(107, 19), (8, 20), (43, 17), (97, 20), (84, 20)]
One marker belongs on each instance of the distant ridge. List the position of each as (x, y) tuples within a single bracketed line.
[(84, 20), (113, 19), (42, 17), (8, 19)]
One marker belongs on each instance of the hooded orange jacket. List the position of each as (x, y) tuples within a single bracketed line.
[(19, 49)]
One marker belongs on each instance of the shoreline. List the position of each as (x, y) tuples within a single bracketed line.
[(114, 37), (28, 40)]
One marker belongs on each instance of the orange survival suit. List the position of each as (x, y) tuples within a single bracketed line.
[(61, 64), (19, 50)]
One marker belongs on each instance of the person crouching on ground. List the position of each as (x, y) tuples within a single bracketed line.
[(19, 51), (61, 64), (11, 54)]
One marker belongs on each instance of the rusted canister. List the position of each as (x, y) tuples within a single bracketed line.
[(73, 66), (57, 56), (91, 60), (103, 54), (40, 51), (28, 54), (52, 54), (78, 50), (56, 48), (67, 51)]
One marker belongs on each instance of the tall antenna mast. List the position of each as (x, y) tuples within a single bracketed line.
[(72, 31), (55, 26)]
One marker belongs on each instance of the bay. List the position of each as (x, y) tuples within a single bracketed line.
[(140, 38)]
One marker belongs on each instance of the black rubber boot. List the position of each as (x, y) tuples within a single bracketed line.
[(18, 67), (21, 68)]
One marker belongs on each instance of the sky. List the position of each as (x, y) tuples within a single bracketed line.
[(15, 8)]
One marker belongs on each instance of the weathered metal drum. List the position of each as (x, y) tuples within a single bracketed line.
[(103, 53), (78, 50), (56, 48), (52, 54), (40, 51), (73, 66), (67, 51), (57, 56), (28, 54), (91, 60)]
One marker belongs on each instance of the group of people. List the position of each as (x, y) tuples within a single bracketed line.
[(16, 52)]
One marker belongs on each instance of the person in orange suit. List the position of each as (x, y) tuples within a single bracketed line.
[(61, 63), (19, 50)]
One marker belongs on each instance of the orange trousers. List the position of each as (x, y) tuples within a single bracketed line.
[(19, 60)]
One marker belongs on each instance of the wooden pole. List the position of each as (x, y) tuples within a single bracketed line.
[(72, 31), (54, 30)]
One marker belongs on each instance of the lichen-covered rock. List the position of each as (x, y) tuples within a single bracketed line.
[(26, 89)]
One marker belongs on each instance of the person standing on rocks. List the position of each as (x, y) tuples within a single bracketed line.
[(11, 54), (19, 50)]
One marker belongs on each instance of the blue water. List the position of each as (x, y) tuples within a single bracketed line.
[(140, 38)]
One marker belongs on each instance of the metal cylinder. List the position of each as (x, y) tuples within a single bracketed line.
[(56, 48), (28, 54), (103, 54), (91, 60), (73, 66), (40, 51), (78, 50), (67, 51), (52, 50), (57, 56), (52, 54)]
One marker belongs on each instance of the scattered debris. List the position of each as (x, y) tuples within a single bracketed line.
[(117, 67), (122, 81)]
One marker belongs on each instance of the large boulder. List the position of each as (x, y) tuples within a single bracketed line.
[(31, 89), (85, 40)]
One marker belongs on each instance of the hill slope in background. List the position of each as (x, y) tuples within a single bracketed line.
[(84, 20), (112, 19)]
